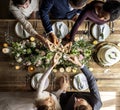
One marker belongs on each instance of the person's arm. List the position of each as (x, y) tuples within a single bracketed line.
[(64, 85), (42, 81), (21, 18), (93, 88), (79, 21), (44, 13), (91, 82)]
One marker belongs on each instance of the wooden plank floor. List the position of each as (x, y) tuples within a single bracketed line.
[(110, 100)]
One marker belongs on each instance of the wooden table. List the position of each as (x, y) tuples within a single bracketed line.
[(12, 80)]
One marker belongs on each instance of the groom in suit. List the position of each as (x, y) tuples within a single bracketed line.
[(59, 9), (82, 100)]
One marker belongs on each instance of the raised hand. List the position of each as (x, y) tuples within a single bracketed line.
[(53, 38), (67, 47), (56, 58), (64, 83), (74, 59), (52, 47)]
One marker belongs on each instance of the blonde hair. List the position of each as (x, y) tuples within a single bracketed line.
[(40, 106)]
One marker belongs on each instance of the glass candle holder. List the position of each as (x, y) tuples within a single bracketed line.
[(31, 68)]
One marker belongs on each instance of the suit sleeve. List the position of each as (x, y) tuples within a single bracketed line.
[(93, 88), (44, 13), (81, 18)]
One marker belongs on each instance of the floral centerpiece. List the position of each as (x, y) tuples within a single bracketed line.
[(32, 52)]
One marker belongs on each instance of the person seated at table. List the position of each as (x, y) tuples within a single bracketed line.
[(98, 12), (23, 10), (44, 99), (82, 100), (59, 9)]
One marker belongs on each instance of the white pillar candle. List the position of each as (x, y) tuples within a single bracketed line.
[(5, 50)]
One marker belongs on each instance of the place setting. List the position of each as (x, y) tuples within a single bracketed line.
[(20, 31)]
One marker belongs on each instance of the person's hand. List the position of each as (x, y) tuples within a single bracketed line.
[(51, 46), (46, 42), (74, 59), (33, 15), (67, 47), (66, 38), (53, 38), (64, 83), (74, 18), (56, 58)]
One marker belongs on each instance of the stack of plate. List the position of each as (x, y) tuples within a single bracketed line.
[(107, 54)]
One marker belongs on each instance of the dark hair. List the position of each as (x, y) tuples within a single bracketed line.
[(112, 7), (83, 107), (19, 2), (78, 3)]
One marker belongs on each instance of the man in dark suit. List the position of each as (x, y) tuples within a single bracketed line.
[(82, 100), (59, 9)]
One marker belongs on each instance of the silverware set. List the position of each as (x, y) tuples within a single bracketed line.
[(78, 82), (100, 32)]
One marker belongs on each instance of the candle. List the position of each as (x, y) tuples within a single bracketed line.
[(61, 70), (95, 42), (32, 39), (68, 69), (31, 68), (91, 69), (118, 44), (5, 45), (54, 70), (77, 39), (5, 50), (74, 70), (17, 67)]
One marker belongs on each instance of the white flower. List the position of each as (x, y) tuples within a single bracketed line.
[(39, 62), (42, 53), (47, 61), (19, 59), (28, 63), (33, 44), (65, 57), (17, 55)]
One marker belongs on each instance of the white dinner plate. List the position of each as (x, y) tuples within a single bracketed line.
[(35, 80), (20, 31), (100, 32), (60, 29), (82, 84)]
